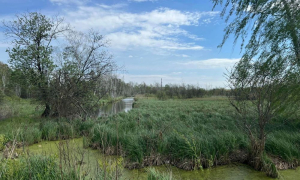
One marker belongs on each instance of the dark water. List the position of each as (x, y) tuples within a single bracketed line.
[(124, 105)]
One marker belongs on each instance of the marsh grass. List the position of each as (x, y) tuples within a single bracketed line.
[(153, 174), (176, 129), (190, 134), (203, 132), (37, 167)]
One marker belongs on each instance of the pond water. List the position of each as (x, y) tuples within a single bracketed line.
[(124, 105), (227, 172)]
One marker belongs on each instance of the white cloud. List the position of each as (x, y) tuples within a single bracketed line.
[(160, 21), (114, 6), (64, 2), (182, 55), (142, 0), (183, 47), (209, 63), (160, 28)]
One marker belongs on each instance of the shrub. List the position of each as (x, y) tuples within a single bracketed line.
[(49, 130), (162, 95), (1, 97), (65, 130), (269, 167), (83, 127), (3, 141), (30, 135)]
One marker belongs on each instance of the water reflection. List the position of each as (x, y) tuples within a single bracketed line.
[(121, 106)]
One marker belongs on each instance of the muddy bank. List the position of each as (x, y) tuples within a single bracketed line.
[(284, 165), (189, 164), (238, 156)]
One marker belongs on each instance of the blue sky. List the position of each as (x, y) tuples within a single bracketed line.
[(171, 39)]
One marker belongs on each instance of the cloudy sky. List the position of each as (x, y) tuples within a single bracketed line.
[(175, 40)]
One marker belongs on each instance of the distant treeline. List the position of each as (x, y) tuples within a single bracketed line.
[(12, 84), (182, 91)]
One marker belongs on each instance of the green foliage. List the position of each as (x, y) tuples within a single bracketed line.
[(269, 167), (49, 130), (65, 130), (1, 97), (5, 81), (177, 129), (34, 167), (83, 127), (32, 35), (273, 27), (284, 143), (199, 131), (30, 135), (156, 175), (31, 45), (79, 84), (60, 129), (109, 169), (3, 141), (32, 48), (185, 129), (161, 95)]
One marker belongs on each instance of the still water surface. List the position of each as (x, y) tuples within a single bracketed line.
[(124, 105)]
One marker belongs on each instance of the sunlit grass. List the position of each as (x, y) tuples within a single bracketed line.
[(191, 134)]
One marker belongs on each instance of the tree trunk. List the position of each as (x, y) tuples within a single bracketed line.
[(257, 148), (46, 112)]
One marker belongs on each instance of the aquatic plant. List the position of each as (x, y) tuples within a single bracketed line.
[(153, 174), (33, 167), (3, 141)]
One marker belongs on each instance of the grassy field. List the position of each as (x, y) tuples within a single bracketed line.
[(189, 134)]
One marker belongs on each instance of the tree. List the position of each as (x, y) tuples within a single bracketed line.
[(4, 73), (266, 79), (258, 93), (272, 25), (80, 81), (32, 35)]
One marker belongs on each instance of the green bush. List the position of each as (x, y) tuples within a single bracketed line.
[(83, 127), (30, 135), (49, 130), (3, 141), (162, 95), (65, 130), (1, 97), (269, 167)]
